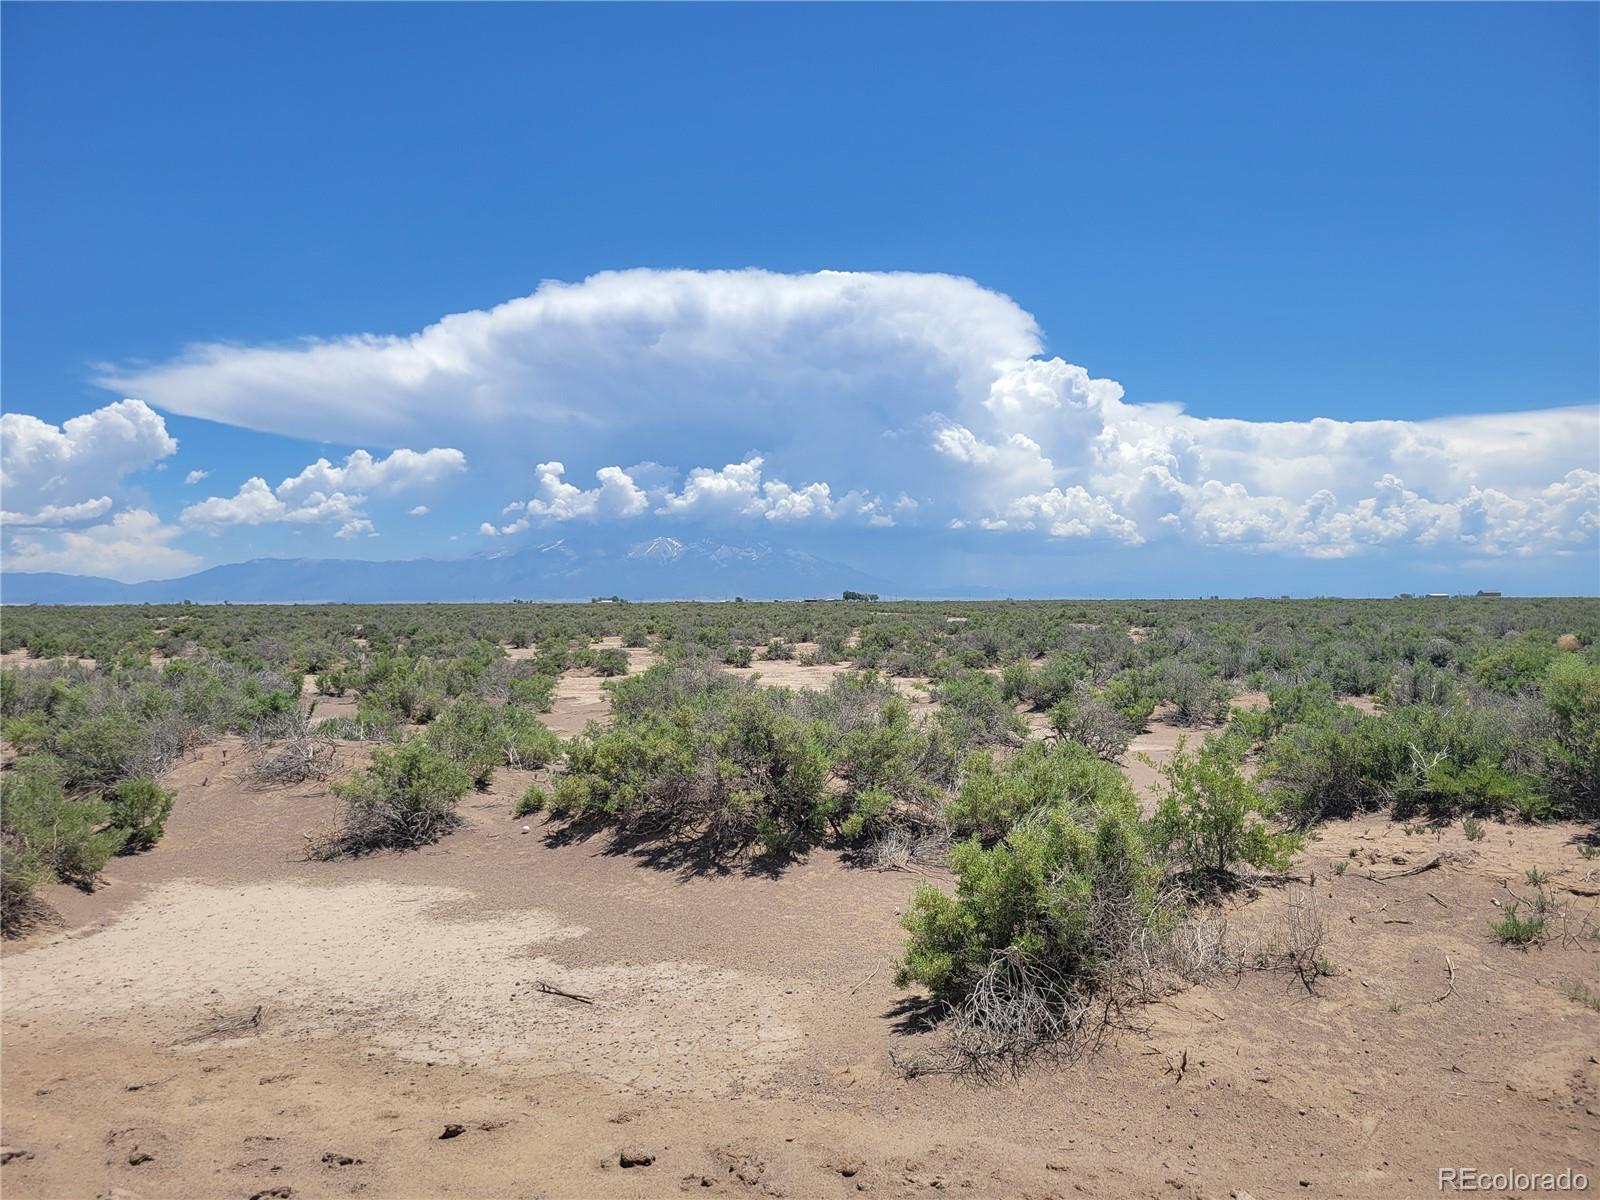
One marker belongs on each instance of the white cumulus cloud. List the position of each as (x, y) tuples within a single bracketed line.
[(324, 493), (50, 469), (737, 490), (132, 547), (868, 385)]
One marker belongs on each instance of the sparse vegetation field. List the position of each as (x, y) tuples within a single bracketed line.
[(734, 869)]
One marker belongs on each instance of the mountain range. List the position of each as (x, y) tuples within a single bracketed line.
[(661, 568)]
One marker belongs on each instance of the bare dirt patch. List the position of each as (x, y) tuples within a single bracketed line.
[(21, 659), (580, 697), (790, 673), (374, 961)]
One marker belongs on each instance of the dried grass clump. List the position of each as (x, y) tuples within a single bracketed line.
[(901, 848), (290, 751), (1295, 942)]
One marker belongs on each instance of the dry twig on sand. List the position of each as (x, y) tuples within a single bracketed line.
[(550, 989), (1450, 972), (1438, 860)]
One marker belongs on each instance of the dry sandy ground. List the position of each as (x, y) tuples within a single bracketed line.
[(22, 660), (226, 1019), (581, 696)]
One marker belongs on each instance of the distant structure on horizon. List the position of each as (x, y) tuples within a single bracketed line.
[(1487, 592)]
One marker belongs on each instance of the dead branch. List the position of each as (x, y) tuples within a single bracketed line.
[(867, 980), (550, 989), (290, 751), (1433, 864), (1450, 971)]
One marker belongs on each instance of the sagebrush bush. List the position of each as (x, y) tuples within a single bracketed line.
[(730, 766), (140, 808), (1197, 697), (1209, 817), (1049, 930), (1442, 762), (1092, 723), (481, 736), (49, 835), (697, 756), (1052, 681), (1062, 890), (405, 798), (537, 692), (611, 662), (994, 797), (973, 709), (1569, 756)]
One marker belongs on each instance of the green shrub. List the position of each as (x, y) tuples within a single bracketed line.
[(1061, 896), (1209, 817), (885, 751), (333, 681), (1133, 696), (1089, 721), (406, 798), (1014, 681), (718, 761), (1570, 754), (22, 872), (139, 807), (1418, 759), (1518, 665), (995, 797), (1196, 698), (410, 689), (1056, 678), (532, 801), (481, 736), (50, 834), (701, 758), (1515, 929), (537, 692), (99, 751), (973, 710), (737, 656), (611, 662)]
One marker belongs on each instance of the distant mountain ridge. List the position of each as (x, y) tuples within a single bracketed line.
[(660, 568)]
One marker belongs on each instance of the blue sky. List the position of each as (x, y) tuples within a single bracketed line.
[(1249, 217)]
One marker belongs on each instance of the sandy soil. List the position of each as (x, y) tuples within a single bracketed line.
[(324, 707), (581, 696), (790, 673), (224, 1018), (20, 659)]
